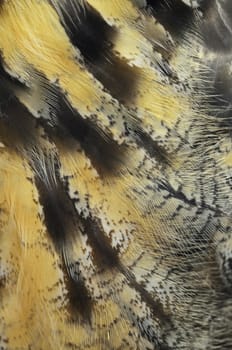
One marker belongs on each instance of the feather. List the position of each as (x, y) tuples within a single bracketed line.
[(115, 174)]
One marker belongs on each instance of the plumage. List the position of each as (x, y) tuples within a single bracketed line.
[(115, 174)]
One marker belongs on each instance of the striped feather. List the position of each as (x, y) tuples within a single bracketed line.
[(115, 175)]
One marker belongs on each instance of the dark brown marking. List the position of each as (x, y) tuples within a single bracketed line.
[(87, 30), (62, 222), (120, 79), (155, 305), (105, 256), (153, 148), (80, 302), (94, 38), (105, 154), (174, 15)]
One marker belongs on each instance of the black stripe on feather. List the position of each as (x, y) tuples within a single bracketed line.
[(174, 15), (87, 30)]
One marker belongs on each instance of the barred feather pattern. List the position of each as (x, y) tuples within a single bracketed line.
[(115, 175)]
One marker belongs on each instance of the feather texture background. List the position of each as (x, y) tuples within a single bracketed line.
[(115, 174)]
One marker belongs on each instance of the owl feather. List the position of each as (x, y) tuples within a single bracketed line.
[(115, 174)]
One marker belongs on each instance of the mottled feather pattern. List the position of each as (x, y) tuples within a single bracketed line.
[(115, 174)]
